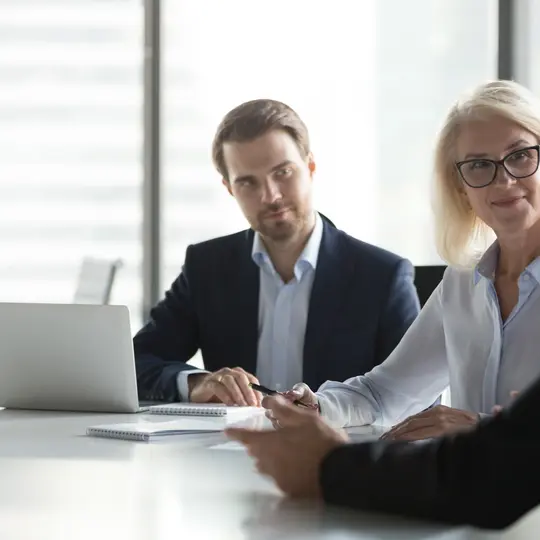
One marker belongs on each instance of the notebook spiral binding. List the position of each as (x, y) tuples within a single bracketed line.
[(126, 435), (189, 411)]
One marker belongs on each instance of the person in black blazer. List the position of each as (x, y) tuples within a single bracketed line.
[(487, 477), (293, 298)]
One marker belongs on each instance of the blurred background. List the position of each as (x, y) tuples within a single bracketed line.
[(108, 109)]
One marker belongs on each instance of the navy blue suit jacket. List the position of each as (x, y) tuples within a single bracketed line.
[(487, 477), (362, 301)]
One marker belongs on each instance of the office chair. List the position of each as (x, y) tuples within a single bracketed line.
[(426, 279), (95, 281)]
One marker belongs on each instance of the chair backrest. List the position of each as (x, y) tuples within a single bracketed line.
[(95, 281), (426, 280)]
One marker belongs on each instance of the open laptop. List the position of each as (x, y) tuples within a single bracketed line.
[(70, 357)]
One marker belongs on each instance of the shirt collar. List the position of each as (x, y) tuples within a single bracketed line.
[(309, 255), (488, 264), (534, 269)]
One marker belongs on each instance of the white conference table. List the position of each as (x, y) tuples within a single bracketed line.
[(57, 483)]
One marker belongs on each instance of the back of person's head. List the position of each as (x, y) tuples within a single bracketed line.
[(253, 119), (460, 234)]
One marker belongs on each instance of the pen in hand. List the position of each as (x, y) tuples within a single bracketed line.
[(266, 391)]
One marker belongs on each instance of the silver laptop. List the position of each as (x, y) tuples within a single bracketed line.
[(70, 357)]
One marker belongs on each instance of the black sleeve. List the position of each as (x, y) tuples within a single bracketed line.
[(400, 310), (488, 477), (168, 340)]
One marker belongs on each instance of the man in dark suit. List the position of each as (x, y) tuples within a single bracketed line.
[(291, 299), (488, 477)]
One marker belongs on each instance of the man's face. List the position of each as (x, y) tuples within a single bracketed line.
[(272, 183)]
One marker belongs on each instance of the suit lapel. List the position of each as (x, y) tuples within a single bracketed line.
[(243, 315), (329, 285)]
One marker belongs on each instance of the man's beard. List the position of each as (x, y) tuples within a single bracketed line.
[(281, 230)]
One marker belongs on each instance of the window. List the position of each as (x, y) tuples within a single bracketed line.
[(527, 43), (70, 145), (370, 91)]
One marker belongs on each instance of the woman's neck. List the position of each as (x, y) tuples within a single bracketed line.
[(517, 252)]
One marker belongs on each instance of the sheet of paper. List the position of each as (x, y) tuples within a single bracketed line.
[(229, 445)]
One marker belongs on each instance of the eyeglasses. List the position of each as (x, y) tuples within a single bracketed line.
[(478, 173)]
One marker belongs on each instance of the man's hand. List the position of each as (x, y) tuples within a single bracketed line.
[(291, 456), (434, 422), (229, 386)]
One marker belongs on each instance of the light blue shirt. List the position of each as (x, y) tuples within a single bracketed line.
[(458, 340), (283, 313)]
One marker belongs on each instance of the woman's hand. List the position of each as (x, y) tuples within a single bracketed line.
[(498, 408), (434, 422), (302, 396)]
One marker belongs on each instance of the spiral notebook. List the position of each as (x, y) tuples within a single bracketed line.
[(145, 431), (191, 409)]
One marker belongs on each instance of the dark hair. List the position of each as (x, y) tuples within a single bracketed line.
[(253, 119)]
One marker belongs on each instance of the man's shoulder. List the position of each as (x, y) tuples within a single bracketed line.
[(220, 247), (365, 252)]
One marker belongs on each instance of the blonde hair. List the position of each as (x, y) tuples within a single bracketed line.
[(460, 234)]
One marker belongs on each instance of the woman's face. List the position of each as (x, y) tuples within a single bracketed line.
[(508, 205)]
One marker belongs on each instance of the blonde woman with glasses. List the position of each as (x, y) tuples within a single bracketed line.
[(478, 334)]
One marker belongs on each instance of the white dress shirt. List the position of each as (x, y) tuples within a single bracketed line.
[(458, 340), (283, 312)]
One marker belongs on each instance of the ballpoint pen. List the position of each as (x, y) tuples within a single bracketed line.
[(263, 390)]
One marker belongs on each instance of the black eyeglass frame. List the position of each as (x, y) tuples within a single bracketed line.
[(499, 163)]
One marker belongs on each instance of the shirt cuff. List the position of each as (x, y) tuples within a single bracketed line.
[(182, 382), (330, 411)]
